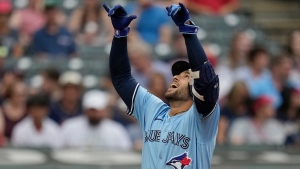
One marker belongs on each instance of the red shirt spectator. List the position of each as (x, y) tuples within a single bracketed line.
[(28, 20), (9, 38), (215, 7)]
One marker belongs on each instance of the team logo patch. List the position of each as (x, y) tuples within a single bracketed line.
[(180, 161)]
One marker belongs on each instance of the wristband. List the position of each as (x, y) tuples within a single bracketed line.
[(122, 33), (188, 28)]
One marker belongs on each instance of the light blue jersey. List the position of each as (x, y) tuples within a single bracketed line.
[(178, 142)]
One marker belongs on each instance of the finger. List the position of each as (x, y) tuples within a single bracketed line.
[(112, 11), (182, 6), (132, 17), (168, 9), (106, 8), (119, 9), (175, 10), (129, 19)]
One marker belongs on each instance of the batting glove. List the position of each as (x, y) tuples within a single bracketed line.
[(120, 20), (181, 17)]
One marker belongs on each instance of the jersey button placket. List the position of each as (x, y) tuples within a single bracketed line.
[(167, 124)]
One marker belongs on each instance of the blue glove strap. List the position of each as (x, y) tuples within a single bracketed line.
[(122, 33), (188, 29)]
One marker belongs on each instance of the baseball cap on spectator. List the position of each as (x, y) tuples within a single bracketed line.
[(5, 7), (95, 99), (261, 101), (70, 77)]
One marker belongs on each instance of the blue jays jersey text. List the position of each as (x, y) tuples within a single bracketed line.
[(183, 141)]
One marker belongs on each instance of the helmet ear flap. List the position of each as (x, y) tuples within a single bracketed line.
[(191, 82), (190, 90)]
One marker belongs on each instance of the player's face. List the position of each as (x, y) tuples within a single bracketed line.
[(179, 88)]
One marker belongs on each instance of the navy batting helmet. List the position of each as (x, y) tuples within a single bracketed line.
[(180, 66)]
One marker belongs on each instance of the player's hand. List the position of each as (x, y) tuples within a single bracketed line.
[(120, 20), (181, 17), (179, 13)]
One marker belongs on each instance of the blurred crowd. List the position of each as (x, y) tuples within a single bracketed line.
[(259, 91)]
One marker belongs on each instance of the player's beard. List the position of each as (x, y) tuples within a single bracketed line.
[(178, 95)]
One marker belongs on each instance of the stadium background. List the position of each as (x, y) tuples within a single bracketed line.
[(267, 23)]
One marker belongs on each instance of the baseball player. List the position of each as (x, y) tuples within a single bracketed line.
[(182, 134)]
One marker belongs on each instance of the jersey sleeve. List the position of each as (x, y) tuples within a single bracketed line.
[(145, 106)]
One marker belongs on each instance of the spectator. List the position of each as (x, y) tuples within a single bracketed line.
[(2, 130), (8, 37), (165, 3), (236, 106), (152, 25), (143, 65), (260, 128), (70, 103), (36, 130), (91, 24), (28, 20), (215, 7), (180, 52), (289, 114), (290, 109), (130, 123), (13, 108), (294, 52), (8, 79), (240, 46), (118, 115), (257, 77), (210, 54), (117, 103), (158, 86), (93, 129), (53, 39), (281, 67), (2, 137), (50, 84), (3, 54)]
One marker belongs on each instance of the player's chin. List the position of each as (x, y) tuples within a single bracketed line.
[(171, 90)]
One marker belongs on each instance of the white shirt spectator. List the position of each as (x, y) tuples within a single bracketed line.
[(245, 130), (228, 76), (294, 78), (78, 133), (25, 134)]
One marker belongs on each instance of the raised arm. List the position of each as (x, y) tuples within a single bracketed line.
[(119, 64), (204, 82)]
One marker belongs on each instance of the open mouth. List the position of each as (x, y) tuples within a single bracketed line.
[(173, 86)]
